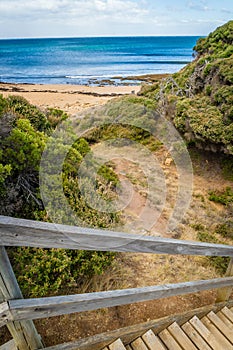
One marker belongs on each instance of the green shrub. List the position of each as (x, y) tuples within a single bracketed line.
[(25, 130), (56, 116), (44, 271), (224, 197), (225, 229), (23, 109), (218, 262), (227, 167)]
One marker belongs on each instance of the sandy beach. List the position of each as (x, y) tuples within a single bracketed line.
[(70, 98)]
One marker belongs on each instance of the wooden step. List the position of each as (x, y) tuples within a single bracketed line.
[(169, 341), (181, 338), (117, 345), (225, 320), (212, 332), (222, 327), (128, 347), (152, 341), (195, 337), (205, 333), (228, 313), (224, 343), (138, 344)]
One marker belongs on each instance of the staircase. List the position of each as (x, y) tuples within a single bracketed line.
[(212, 332)]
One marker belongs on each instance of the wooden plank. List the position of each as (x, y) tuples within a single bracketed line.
[(24, 333), (152, 341), (138, 344), (206, 334), (10, 345), (128, 347), (228, 313), (181, 338), (34, 308), (169, 341), (225, 320), (226, 331), (117, 345), (20, 232), (195, 337), (5, 314), (217, 334), (224, 294)]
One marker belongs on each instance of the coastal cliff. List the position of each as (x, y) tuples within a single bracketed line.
[(199, 98)]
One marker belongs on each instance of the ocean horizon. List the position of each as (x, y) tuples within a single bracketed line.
[(88, 60)]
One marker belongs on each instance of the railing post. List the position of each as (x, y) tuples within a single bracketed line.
[(24, 333), (224, 294)]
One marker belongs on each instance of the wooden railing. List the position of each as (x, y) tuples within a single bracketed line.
[(17, 313)]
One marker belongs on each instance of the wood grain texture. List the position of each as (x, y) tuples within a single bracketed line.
[(222, 327), (228, 313), (206, 334), (224, 294), (138, 344), (10, 345), (152, 341), (117, 345), (195, 337), (20, 232), (181, 338), (24, 333), (5, 314), (169, 341), (35, 308), (217, 334)]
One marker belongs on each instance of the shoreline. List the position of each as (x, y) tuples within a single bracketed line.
[(72, 99), (75, 98)]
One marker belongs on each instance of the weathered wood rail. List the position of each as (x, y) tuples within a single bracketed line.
[(17, 313)]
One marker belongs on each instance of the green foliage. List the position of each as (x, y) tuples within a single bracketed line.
[(218, 42), (218, 262), (23, 109), (3, 105), (199, 98), (23, 147), (56, 116), (224, 197), (225, 229), (25, 130), (44, 271), (227, 167)]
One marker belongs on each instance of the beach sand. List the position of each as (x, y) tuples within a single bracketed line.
[(70, 98)]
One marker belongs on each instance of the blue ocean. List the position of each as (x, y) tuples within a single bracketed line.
[(88, 60)]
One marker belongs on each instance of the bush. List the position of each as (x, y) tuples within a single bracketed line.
[(44, 271), (24, 133), (224, 197), (225, 229), (218, 262)]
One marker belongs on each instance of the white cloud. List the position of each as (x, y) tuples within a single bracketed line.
[(199, 5), (28, 18), (93, 9), (224, 10)]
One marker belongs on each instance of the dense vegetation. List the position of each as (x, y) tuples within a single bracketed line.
[(199, 98), (24, 131)]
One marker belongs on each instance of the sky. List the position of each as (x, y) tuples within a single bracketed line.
[(82, 18)]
